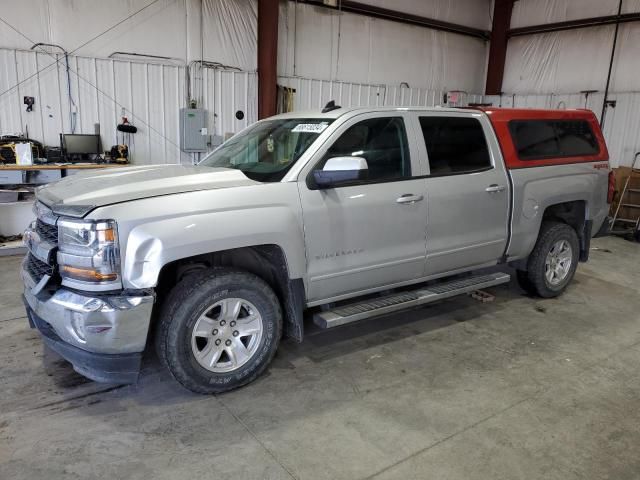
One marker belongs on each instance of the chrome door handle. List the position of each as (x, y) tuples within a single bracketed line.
[(495, 188), (409, 198)]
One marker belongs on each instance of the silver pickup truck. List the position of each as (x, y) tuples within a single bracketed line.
[(360, 211)]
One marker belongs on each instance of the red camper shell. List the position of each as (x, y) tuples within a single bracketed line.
[(536, 138)]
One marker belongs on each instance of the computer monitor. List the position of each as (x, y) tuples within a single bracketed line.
[(77, 145)]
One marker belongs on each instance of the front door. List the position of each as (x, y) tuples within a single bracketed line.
[(467, 193), (370, 233)]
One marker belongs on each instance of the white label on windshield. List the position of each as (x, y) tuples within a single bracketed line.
[(310, 127)]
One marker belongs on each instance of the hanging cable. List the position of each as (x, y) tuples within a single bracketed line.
[(72, 51), (102, 92), (72, 104), (613, 53)]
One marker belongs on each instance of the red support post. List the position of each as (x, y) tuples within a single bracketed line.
[(267, 57), (498, 48)]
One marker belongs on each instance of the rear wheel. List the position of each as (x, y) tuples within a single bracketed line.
[(218, 330), (553, 262)]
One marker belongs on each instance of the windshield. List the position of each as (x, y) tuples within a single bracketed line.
[(267, 150)]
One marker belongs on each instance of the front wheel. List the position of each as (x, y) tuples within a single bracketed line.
[(553, 262), (219, 329)]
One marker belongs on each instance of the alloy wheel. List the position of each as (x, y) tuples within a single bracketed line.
[(226, 335), (558, 262)]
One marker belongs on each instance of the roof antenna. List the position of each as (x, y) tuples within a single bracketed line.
[(331, 105)]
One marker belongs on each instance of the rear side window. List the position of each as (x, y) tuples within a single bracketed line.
[(382, 142), (537, 139), (455, 145)]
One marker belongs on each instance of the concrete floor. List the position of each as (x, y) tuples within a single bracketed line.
[(519, 388)]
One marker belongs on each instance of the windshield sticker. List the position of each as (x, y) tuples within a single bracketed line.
[(310, 127)]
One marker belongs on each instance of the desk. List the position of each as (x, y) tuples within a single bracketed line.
[(16, 216)]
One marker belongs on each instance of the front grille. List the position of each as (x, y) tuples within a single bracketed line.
[(45, 232), (37, 268), (48, 233)]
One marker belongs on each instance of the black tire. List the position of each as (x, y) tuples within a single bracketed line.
[(188, 300), (550, 233)]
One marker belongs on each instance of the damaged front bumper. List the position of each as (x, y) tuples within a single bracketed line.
[(102, 336)]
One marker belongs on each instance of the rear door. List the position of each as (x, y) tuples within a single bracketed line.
[(467, 192)]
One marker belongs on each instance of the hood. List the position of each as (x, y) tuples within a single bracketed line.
[(78, 194)]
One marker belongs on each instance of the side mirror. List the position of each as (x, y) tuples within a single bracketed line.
[(341, 170)]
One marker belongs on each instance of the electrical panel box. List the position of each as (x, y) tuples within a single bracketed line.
[(193, 130)]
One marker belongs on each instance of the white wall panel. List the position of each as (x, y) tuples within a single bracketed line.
[(558, 62), (625, 76), (319, 43), (574, 60), (225, 93), (630, 6), (547, 70), (472, 13), (538, 12), (622, 128), (231, 32), (36, 28), (169, 28), (102, 90)]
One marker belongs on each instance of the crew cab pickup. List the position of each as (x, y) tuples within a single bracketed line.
[(361, 211)]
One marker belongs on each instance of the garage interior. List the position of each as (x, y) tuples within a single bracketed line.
[(501, 386)]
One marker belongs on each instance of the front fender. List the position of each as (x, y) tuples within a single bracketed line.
[(155, 244), (156, 231)]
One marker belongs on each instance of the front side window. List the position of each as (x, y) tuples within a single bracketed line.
[(382, 142), (538, 139), (267, 150), (455, 145)]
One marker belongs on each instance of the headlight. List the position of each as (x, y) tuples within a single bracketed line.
[(88, 251)]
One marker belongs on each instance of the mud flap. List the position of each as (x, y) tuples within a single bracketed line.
[(585, 241)]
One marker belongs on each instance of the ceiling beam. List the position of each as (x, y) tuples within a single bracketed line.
[(574, 24), (401, 17)]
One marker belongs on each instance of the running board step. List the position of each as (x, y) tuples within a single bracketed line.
[(401, 301)]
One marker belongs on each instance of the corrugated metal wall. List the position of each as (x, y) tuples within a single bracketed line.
[(225, 93), (102, 90), (312, 94), (622, 128), (151, 94)]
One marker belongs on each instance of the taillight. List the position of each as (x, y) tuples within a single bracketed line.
[(612, 187)]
